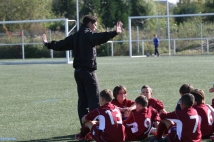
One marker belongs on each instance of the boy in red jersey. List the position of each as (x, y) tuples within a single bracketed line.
[(185, 88), (139, 123), (109, 127), (152, 102), (183, 125), (211, 91), (204, 112), (125, 105)]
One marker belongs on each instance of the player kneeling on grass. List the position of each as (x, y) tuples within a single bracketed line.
[(212, 91), (139, 123), (108, 127), (152, 102), (204, 112), (120, 100), (183, 125)]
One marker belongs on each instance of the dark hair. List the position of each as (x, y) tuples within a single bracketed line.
[(89, 18), (198, 94), (188, 99), (142, 100), (117, 89), (147, 87), (106, 94), (186, 88)]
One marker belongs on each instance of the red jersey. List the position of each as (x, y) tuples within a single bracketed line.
[(126, 103), (139, 123), (206, 120), (110, 123), (188, 124), (156, 104)]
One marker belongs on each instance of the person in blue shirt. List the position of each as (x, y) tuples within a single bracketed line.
[(156, 43)]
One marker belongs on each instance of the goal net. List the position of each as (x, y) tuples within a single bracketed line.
[(22, 39), (191, 37)]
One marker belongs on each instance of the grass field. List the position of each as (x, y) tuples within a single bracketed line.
[(38, 102)]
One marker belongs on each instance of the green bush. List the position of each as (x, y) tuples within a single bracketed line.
[(10, 52)]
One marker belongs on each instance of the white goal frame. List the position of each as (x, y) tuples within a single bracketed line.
[(67, 32), (168, 26)]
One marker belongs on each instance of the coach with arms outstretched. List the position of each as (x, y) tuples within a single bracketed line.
[(83, 45)]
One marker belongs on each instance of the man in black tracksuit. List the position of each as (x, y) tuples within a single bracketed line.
[(83, 43)]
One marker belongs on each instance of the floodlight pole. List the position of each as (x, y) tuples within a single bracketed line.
[(66, 34), (77, 12), (168, 25)]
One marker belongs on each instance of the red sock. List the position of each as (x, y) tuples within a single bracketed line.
[(160, 130)]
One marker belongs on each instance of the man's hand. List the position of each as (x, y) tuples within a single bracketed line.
[(119, 27), (44, 39)]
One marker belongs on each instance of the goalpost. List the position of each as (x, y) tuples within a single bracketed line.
[(131, 18), (67, 32)]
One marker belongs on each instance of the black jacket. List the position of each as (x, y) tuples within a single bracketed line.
[(83, 45)]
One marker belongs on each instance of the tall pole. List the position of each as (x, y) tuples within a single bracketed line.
[(66, 34), (138, 47), (77, 12), (23, 47), (130, 38), (201, 31), (168, 27)]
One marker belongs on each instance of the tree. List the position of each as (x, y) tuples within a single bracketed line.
[(64, 8), (141, 8), (91, 6), (187, 7), (209, 8), (112, 11), (23, 10)]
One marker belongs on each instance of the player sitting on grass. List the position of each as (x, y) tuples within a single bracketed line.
[(183, 125), (109, 127), (212, 91), (185, 88), (204, 112), (125, 105), (152, 102), (139, 123)]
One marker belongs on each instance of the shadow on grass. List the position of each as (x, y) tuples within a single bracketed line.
[(68, 138)]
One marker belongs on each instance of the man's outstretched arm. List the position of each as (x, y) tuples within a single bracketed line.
[(62, 45), (103, 37)]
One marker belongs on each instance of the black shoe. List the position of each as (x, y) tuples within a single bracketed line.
[(153, 139)]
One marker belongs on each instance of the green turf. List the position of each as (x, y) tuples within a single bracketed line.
[(38, 102)]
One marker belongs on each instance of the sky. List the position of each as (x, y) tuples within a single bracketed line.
[(173, 1)]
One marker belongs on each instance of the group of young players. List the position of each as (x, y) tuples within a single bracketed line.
[(120, 119)]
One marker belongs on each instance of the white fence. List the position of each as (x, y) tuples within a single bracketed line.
[(205, 44), (40, 21), (168, 26)]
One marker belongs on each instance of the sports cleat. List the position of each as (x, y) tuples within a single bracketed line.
[(89, 137), (153, 139), (153, 131), (79, 137), (212, 138)]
